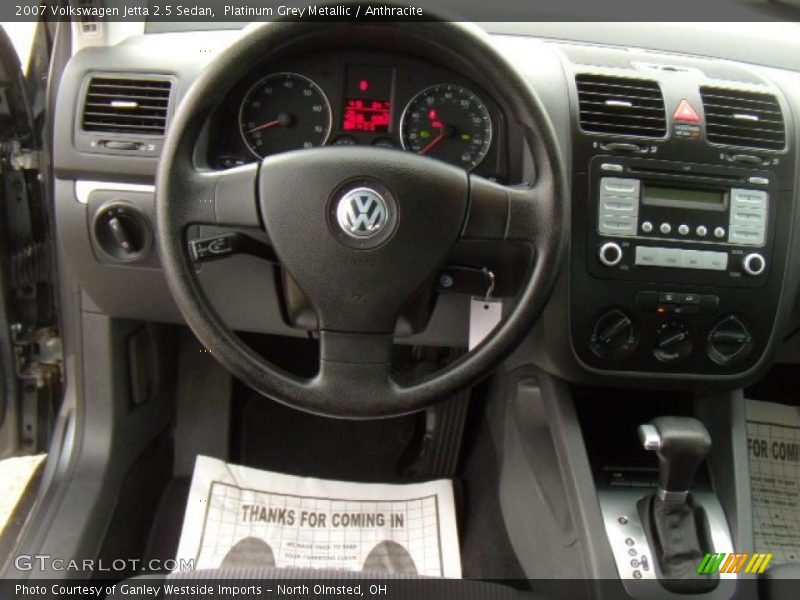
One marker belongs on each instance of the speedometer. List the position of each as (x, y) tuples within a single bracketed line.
[(284, 111), (447, 122)]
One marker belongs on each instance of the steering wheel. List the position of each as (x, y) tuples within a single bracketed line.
[(360, 230)]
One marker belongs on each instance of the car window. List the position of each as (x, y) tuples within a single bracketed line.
[(21, 35)]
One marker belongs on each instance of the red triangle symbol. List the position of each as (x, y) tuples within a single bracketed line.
[(686, 113)]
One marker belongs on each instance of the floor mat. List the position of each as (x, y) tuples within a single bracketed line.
[(272, 436), (162, 544)]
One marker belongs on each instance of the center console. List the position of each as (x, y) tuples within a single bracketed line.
[(679, 242)]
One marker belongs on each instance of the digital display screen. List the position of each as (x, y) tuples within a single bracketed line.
[(367, 115), (367, 99), (683, 198)]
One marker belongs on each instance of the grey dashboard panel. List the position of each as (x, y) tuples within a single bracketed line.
[(139, 291), (737, 41)]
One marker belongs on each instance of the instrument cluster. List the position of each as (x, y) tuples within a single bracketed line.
[(350, 98)]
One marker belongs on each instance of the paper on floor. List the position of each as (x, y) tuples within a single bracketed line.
[(238, 516), (773, 443)]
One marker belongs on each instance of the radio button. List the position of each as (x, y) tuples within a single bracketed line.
[(748, 216), (745, 197), (665, 228), (693, 259), (759, 180), (610, 254), (647, 227), (683, 229), (611, 167), (670, 257), (615, 186), (647, 256), (719, 232), (617, 225), (701, 230), (747, 236), (614, 204), (715, 261)]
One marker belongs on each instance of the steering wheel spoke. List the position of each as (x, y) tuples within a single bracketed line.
[(227, 198), (355, 365), (507, 213)]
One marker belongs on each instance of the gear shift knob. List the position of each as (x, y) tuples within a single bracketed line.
[(681, 444)]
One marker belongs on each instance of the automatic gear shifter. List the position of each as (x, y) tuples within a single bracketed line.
[(681, 444), (676, 527)]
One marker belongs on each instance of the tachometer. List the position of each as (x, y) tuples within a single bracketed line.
[(284, 111), (447, 122)]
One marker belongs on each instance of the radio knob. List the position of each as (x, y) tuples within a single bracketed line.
[(610, 254), (754, 264)]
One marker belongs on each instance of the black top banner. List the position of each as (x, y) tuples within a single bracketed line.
[(241, 12)]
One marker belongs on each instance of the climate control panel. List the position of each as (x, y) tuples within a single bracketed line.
[(671, 328)]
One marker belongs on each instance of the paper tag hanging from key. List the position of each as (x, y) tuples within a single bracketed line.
[(484, 314)]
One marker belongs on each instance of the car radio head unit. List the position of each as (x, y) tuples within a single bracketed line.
[(681, 216)]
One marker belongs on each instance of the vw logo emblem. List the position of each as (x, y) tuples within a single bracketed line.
[(362, 213)]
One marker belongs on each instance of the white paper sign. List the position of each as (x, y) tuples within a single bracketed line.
[(237, 516), (773, 443)]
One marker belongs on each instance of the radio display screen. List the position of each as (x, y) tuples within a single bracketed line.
[(683, 198)]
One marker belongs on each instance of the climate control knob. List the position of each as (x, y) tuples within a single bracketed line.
[(610, 254), (754, 264), (673, 341), (729, 341), (613, 335)]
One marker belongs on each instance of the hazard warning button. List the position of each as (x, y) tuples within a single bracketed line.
[(686, 113)]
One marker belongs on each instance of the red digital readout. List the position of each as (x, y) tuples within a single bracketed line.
[(366, 115)]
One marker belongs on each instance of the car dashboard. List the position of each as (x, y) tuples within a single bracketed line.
[(682, 261)]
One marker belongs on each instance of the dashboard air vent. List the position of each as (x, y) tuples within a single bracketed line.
[(129, 105), (621, 106), (740, 118)]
